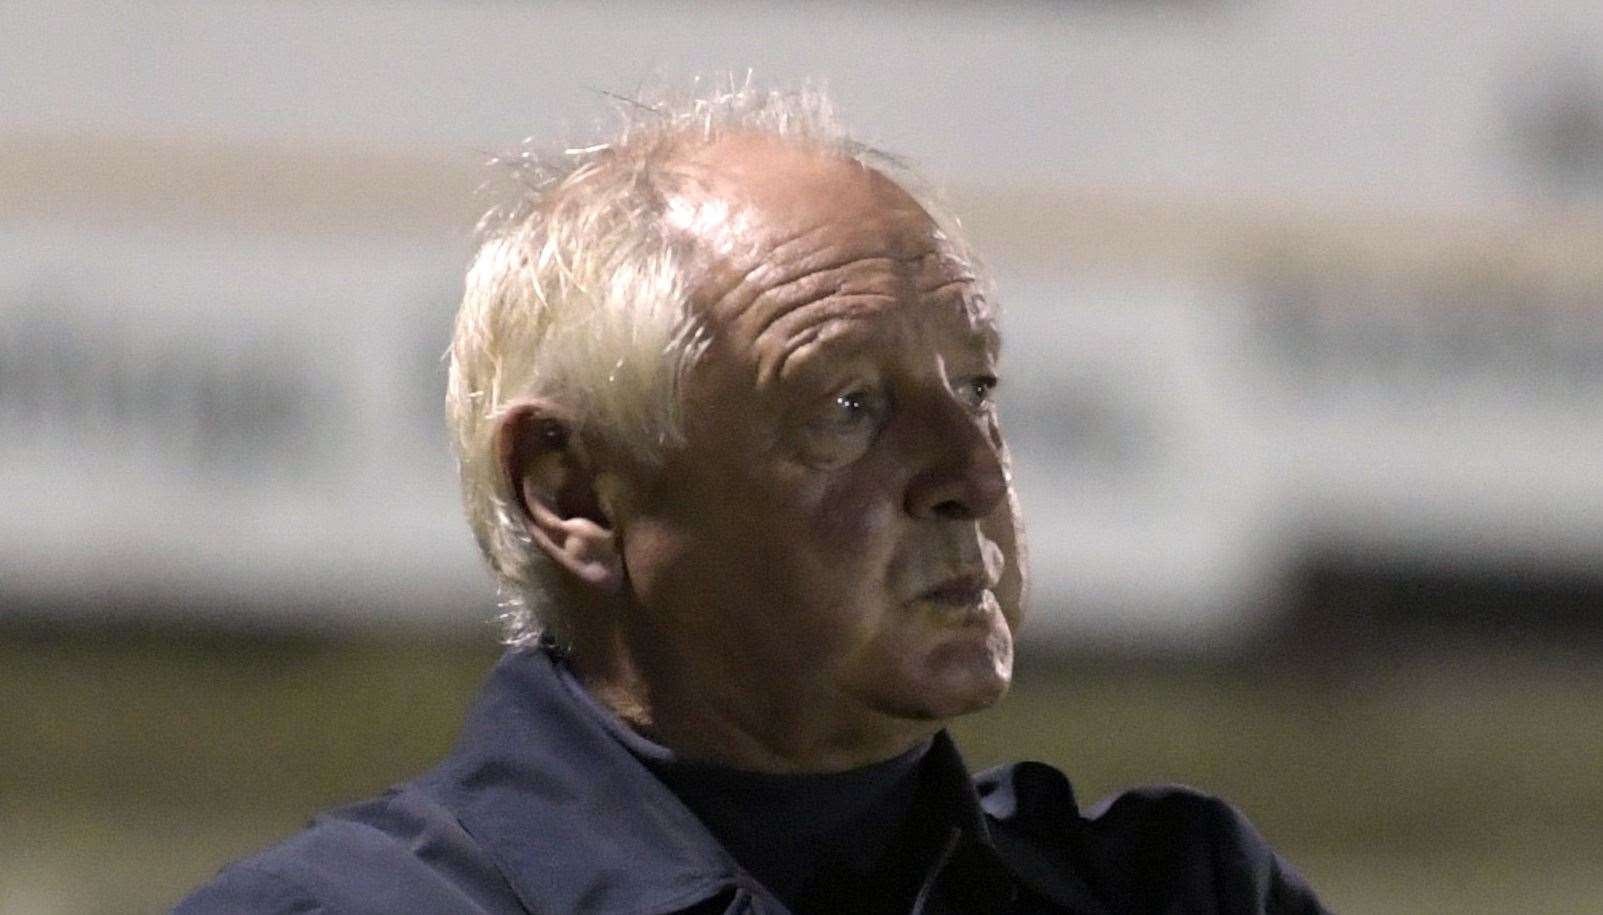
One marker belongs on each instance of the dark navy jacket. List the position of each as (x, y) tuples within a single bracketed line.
[(539, 809)]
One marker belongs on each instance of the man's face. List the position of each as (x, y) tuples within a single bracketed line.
[(837, 536)]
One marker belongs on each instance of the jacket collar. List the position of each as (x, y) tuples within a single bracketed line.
[(1032, 811), (575, 823), (572, 820)]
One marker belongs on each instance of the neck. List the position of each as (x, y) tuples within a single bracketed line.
[(737, 718)]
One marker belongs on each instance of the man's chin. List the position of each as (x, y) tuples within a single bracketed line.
[(958, 676), (971, 681)]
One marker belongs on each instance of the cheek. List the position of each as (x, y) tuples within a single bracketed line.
[(665, 570), (851, 524), (1006, 530)]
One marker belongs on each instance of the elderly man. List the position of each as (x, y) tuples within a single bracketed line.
[(722, 392)]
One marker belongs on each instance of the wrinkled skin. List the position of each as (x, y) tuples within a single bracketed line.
[(829, 568)]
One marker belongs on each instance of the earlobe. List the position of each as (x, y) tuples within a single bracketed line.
[(555, 484)]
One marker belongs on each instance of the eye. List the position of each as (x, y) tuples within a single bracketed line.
[(857, 409), (839, 428), (977, 391)]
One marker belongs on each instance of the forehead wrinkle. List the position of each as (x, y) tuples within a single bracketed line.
[(717, 253), (942, 285), (799, 314), (853, 276), (847, 322), (776, 252), (778, 269), (749, 317), (773, 257), (815, 322)]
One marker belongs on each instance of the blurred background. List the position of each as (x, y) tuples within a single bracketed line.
[(1304, 375)]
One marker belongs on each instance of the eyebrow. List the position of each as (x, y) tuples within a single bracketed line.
[(977, 311), (839, 339), (986, 328)]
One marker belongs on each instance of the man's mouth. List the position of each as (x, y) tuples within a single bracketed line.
[(964, 589), (961, 599)]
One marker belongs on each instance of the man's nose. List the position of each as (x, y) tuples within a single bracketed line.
[(963, 478)]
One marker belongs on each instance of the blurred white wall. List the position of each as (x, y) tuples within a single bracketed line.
[(1279, 277)]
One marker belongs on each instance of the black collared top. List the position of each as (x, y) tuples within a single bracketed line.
[(539, 809)]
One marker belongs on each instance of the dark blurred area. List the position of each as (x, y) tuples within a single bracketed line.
[(1303, 375), (1402, 767)]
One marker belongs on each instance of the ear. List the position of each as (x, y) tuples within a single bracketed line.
[(555, 484)]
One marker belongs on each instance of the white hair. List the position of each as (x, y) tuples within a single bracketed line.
[(578, 294)]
